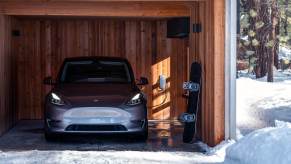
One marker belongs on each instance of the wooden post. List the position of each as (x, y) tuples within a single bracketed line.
[(219, 71), (207, 47)]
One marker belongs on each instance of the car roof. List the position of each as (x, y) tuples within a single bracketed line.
[(96, 58)]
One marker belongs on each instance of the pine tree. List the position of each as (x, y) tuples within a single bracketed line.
[(261, 33)]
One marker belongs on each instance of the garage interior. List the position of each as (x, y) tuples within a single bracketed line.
[(36, 36), (43, 44)]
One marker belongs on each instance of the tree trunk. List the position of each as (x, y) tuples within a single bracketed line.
[(274, 19), (285, 22), (277, 42), (262, 34)]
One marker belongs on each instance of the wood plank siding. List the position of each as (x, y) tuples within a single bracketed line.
[(51, 30), (207, 47), (44, 43), (7, 112)]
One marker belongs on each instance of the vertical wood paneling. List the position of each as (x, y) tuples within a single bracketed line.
[(7, 112), (46, 42), (207, 48), (2, 78)]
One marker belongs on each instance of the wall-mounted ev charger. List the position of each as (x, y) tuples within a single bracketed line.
[(162, 88), (163, 82)]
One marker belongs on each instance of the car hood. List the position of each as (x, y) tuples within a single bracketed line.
[(95, 94)]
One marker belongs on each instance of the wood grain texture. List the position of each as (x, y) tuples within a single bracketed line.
[(103, 9), (7, 112), (207, 48), (44, 43), (102, 0), (219, 71)]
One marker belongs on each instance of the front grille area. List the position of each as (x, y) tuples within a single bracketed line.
[(96, 128)]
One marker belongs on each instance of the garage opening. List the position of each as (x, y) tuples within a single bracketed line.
[(39, 46), (37, 36)]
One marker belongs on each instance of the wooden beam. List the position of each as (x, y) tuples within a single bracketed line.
[(102, 0), (102, 9)]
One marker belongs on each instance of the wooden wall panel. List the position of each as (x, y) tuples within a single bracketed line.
[(7, 112), (2, 74), (207, 48), (44, 43)]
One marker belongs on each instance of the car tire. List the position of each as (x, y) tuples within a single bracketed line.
[(144, 135), (50, 137)]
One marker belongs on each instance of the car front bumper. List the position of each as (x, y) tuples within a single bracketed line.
[(95, 119)]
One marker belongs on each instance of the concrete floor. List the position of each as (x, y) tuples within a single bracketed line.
[(163, 136)]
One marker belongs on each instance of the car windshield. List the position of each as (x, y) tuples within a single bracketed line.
[(95, 71)]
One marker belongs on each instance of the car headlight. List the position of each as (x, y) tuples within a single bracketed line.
[(135, 100), (55, 99)]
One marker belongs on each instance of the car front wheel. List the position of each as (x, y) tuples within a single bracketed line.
[(50, 137)]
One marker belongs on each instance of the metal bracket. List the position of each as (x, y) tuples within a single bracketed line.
[(197, 28), (190, 86), (187, 118)]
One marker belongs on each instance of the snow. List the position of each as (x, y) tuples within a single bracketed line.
[(265, 146), (262, 139), (218, 150), (260, 103), (284, 53), (116, 157)]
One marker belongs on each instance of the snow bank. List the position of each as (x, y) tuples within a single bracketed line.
[(265, 146), (214, 155), (260, 103), (218, 150), (108, 157)]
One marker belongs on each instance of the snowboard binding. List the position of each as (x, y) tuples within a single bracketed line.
[(191, 87), (187, 118)]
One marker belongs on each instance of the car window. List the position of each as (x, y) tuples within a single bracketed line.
[(95, 72)]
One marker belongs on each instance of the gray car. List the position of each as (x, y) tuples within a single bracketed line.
[(95, 95)]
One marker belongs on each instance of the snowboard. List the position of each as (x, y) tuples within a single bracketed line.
[(193, 87)]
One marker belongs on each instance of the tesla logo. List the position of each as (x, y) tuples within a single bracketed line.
[(95, 100)]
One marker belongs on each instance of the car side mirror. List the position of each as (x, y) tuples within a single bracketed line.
[(143, 81), (49, 81)]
